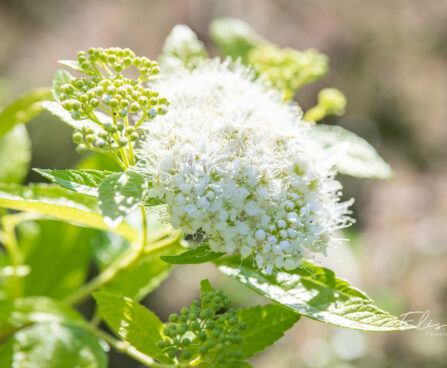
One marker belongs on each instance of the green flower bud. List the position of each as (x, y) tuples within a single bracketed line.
[(90, 138), (76, 115), (172, 353), (78, 137), (94, 102), (134, 136), (100, 143), (203, 350), (123, 113), (186, 342), (186, 354), (202, 336), (81, 148), (120, 126), (123, 141), (237, 354), (134, 107), (173, 318), (162, 110), (243, 325), (108, 126), (184, 311), (114, 103)]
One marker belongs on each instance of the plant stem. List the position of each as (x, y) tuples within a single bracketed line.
[(157, 243), (124, 347)]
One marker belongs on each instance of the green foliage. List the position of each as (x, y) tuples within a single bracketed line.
[(81, 181), (233, 37), (20, 312), (354, 156), (60, 204), (119, 194), (16, 146), (23, 109), (314, 292), (286, 69), (265, 325), (182, 48), (197, 255), (139, 278), (53, 345), (63, 244), (133, 323)]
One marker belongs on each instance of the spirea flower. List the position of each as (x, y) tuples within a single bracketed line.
[(233, 161)]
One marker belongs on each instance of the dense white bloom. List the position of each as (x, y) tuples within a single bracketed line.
[(231, 159)]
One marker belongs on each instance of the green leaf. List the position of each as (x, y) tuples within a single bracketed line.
[(234, 37), (142, 277), (58, 255), (15, 155), (72, 64), (81, 181), (60, 204), (20, 312), (314, 292), (182, 48), (119, 194), (23, 109), (197, 255), (56, 109), (133, 323), (62, 77), (354, 155), (98, 161), (53, 345), (206, 287), (265, 325)]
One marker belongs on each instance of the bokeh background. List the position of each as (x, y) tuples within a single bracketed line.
[(388, 57)]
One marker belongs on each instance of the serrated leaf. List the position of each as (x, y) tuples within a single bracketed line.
[(53, 345), (60, 204), (314, 292), (133, 323), (81, 181), (265, 325), (354, 156), (182, 48), (15, 155), (23, 109), (56, 109), (72, 64), (234, 37), (61, 77), (119, 194), (197, 255), (63, 244)]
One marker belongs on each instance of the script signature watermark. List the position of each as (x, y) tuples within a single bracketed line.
[(423, 322)]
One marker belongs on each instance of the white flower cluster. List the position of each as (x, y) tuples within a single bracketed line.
[(233, 161)]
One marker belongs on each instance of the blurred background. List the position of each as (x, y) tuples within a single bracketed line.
[(388, 57)]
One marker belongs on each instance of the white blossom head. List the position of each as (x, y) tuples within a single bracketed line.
[(233, 161)]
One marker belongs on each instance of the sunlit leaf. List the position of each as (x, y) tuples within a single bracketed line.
[(81, 181), (314, 292), (53, 345), (23, 109), (197, 255), (59, 203), (353, 155), (15, 155), (133, 323)]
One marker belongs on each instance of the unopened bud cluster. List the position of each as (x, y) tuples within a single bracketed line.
[(287, 69), (116, 104), (201, 331)]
